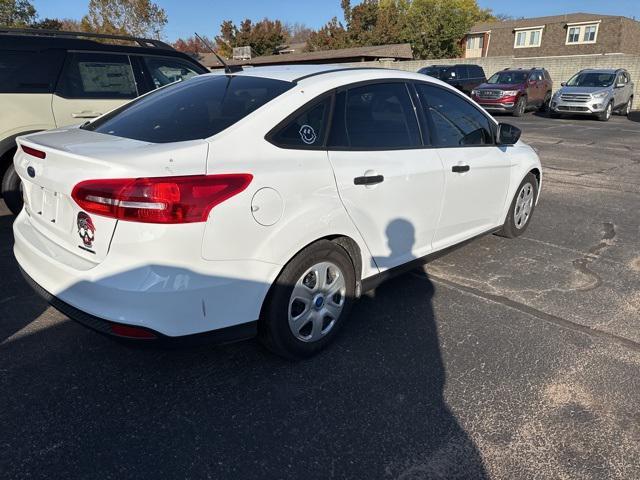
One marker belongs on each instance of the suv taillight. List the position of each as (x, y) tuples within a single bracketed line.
[(184, 199)]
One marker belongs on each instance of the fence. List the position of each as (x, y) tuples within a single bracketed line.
[(560, 68)]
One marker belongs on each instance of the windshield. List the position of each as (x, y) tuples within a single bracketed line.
[(197, 108), (508, 78), (592, 79)]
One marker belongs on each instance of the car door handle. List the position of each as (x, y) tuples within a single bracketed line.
[(460, 168), (368, 180), (86, 114)]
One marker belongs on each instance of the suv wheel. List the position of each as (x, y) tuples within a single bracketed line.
[(545, 104), (12, 190), (628, 107), (606, 114), (309, 301), (521, 106), (521, 209)]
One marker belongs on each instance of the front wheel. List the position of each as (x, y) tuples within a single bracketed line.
[(309, 301), (521, 209), (545, 104), (12, 190), (606, 114), (521, 106)]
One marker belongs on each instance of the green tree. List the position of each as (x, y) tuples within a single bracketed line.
[(264, 37), (330, 37), (48, 24), (125, 17), (16, 13)]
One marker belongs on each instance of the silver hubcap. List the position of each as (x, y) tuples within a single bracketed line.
[(608, 110), (629, 105), (316, 302), (524, 205)]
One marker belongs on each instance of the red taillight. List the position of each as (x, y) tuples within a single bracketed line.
[(33, 151), (131, 332), (185, 199)]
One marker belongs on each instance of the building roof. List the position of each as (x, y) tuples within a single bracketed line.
[(534, 22), (400, 51)]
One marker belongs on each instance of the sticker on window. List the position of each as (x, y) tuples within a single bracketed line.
[(308, 134)]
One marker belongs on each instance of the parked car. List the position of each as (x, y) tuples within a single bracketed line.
[(515, 91), (464, 77), (262, 202), (53, 79), (595, 92)]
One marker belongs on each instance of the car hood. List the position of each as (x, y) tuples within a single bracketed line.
[(499, 86)]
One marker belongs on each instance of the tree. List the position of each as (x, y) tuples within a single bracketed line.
[(192, 45), (16, 13), (264, 37), (330, 37), (48, 24), (125, 17), (298, 32), (435, 27)]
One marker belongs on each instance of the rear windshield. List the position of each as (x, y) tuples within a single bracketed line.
[(592, 79), (508, 78), (197, 108)]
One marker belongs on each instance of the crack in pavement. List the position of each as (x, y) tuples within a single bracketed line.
[(534, 312), (582, 264)]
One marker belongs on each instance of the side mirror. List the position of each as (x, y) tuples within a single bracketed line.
[(563, 84), (508, 134)]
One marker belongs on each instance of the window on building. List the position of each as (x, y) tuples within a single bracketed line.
[(528, 38), (580, 34)]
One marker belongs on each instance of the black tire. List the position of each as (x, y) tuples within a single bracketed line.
[(273, 328), (626, 110), (606, 114), (510, 229), (12, 190), (521, 107), (553, 114), (545, 103)]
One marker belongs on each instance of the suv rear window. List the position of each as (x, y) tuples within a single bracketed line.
[(197, 108), (28, 71)]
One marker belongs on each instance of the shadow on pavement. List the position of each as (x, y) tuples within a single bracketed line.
[(634, 116), (370, 406)]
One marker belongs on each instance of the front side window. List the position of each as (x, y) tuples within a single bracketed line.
[(375, 117), (97, 75), (199, 108), (306, 129), (168, 70), (456, 122)]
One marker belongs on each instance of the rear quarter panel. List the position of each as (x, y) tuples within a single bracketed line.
[(23, 112)]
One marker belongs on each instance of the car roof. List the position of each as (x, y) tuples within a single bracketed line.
[(602, 70), (310, 74)]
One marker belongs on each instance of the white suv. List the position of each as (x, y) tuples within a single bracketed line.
[(262, 202)]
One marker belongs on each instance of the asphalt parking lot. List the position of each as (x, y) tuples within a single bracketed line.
[(504, 359)]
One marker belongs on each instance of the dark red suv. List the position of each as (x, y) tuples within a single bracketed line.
[(515, 91)]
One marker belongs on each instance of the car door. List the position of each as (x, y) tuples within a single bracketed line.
[(390, 185), (92, 84), (476, 171)]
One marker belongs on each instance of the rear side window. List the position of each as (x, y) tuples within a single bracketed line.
[(475, 71), (29, 72), (306, 130), (164, 70), (97, 75), (456, 122), (375, 117), (199, 108), (462, 72)]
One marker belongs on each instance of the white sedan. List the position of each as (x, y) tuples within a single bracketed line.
[(262, 202)]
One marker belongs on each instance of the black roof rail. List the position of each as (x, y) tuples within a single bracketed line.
[(143, 42)]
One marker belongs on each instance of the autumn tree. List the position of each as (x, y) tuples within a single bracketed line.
[(264, 37), (330, 37), (125, 17), (192, 45), (16, 13)]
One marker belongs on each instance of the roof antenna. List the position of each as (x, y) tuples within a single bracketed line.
[(227, 68)]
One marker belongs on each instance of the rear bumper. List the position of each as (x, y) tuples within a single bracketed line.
[(231, 334), (172, 292)]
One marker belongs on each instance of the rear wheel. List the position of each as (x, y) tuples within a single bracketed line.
[(606, 113), (628, 107), (309, 301), (521, 209), (521, 106), (12, 190)]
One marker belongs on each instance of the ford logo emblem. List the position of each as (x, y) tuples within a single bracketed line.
[(31, 171)]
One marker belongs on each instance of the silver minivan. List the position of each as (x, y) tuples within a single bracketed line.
[(596, 92)]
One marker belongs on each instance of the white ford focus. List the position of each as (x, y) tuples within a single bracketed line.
[(262, 202)]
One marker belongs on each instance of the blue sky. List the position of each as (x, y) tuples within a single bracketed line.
[(205, 16)]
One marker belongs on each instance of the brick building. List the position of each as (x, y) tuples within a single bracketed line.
[(570, 34)]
